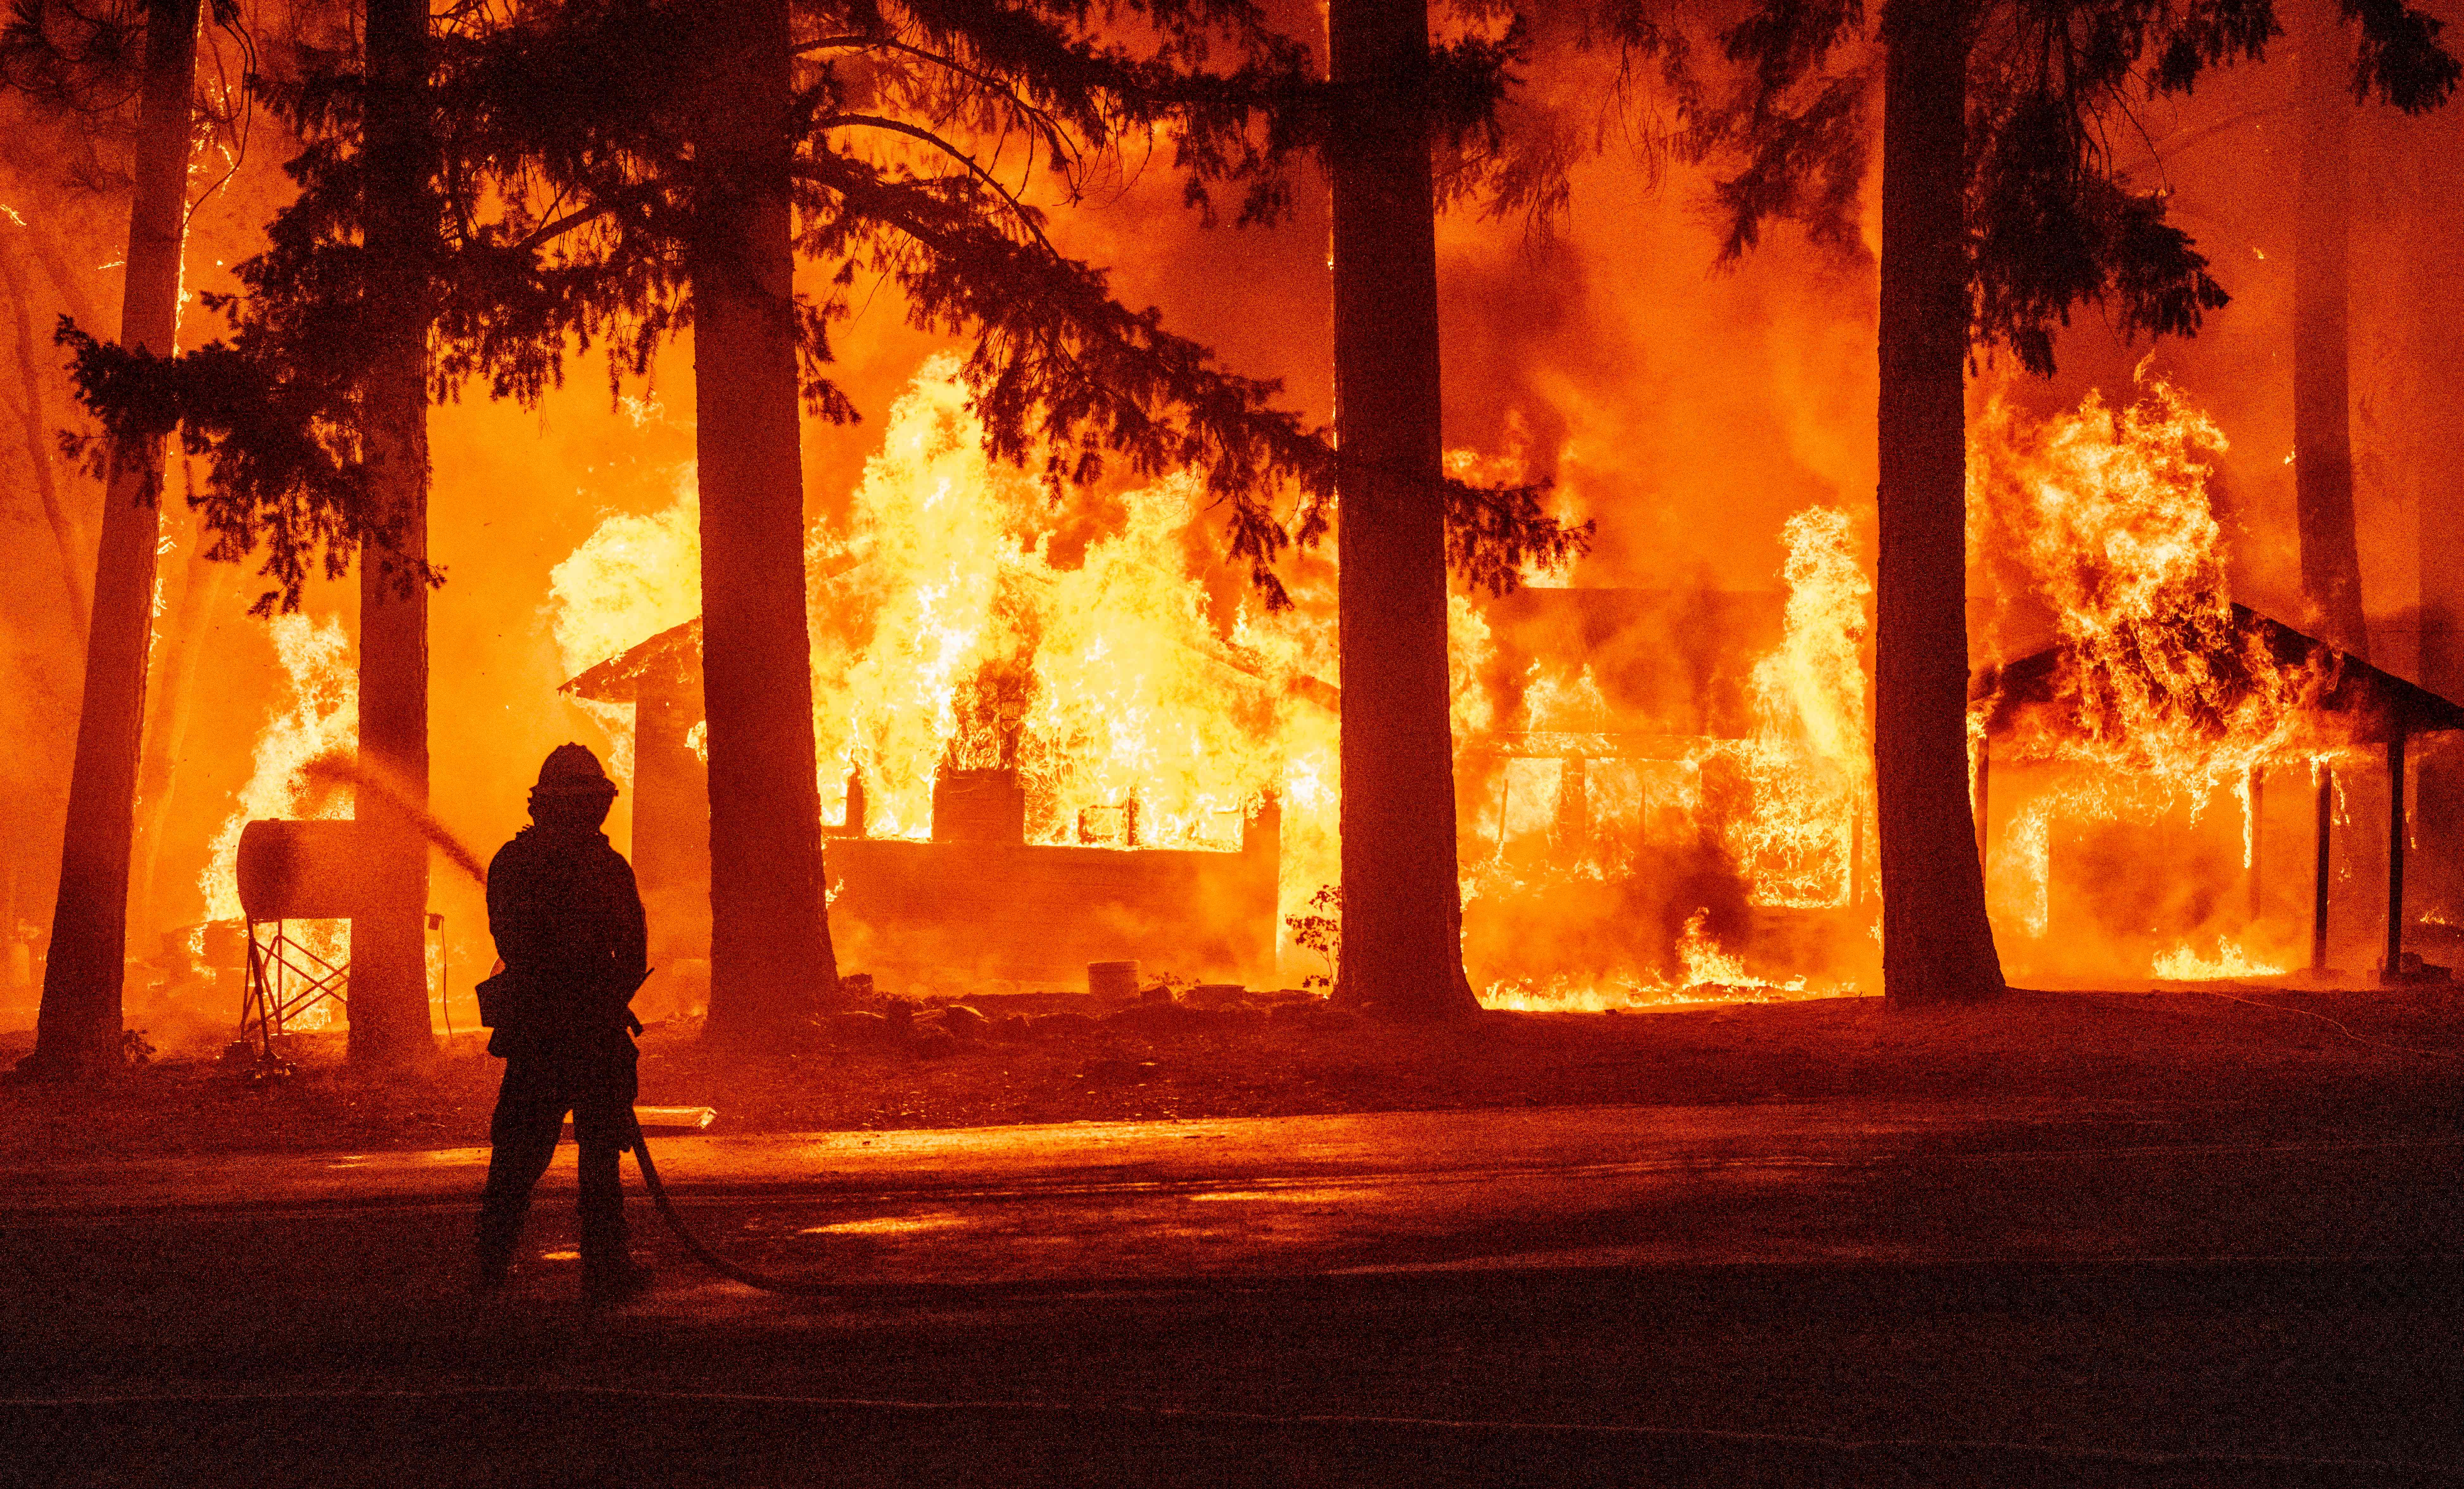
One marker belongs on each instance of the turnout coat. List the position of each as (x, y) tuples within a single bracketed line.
[(567, 922)]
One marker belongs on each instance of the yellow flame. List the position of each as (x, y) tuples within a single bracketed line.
[(947, 634), (633, 578), (318, 714), (2108, 509), (1810, 762), (2183, 964), (952, 628)]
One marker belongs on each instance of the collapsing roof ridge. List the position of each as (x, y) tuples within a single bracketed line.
[(615, 680), (2373, 704)]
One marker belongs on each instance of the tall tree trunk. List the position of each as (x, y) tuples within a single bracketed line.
[(1937, 945), (66, 282), (1402, 908), (770, 956), (65, 533), (2323, 426), (78, 1029), (390, 1016)]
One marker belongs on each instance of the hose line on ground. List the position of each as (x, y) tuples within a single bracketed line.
[(703, 1254)]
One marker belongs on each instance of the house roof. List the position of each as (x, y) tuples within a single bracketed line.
[(2368, 703), (672, 654)]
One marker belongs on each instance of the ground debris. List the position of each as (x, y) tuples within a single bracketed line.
[(1301, 1056)]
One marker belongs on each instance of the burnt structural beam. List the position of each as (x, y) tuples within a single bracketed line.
[(2392, 970), (2319, 905), (2257, 803)]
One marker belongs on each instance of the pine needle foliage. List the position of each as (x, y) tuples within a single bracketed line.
[(1784, 108), (567, 190)]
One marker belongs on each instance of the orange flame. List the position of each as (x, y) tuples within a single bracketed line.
[(2160, 702)]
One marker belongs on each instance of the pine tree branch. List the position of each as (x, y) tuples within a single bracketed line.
[(1026, 215)]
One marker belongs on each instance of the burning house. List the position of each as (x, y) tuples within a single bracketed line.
[(1612, 798), (1674, 785), (975, 894), (2132, 759), (1051, 756), (2222, 698), (1047, 753)]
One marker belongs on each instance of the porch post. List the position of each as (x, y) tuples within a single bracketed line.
[(2392, 969), (2319, 910)]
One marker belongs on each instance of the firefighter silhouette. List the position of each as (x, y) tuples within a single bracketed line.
[(567, 923)]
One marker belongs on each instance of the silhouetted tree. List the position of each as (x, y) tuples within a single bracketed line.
[(78, 1029), (2322, 421), (2325, 93), (389, 1018), (2002, 211), (17, 280), (1402, 907), (1400, 524), (771, 956)]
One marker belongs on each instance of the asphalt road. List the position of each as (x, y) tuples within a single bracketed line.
[(1838, 1292)]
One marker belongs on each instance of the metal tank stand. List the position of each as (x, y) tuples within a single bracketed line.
[(285, 979)]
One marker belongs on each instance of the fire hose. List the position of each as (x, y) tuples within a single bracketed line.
[(489, 1013), (702, 1254)]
